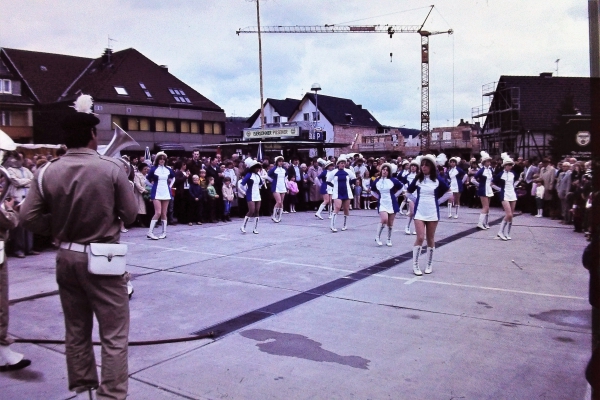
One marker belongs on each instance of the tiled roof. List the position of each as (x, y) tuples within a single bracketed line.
[(541, 97), (47, 75), (335, 109), (234, 126), (285, 107), (128, 68)]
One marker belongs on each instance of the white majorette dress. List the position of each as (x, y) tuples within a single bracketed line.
[(506, 181), (159, 176), (278, 175), (341, 179), (253, 182), (484, 176), (455, 177), (428, 193), (387, 190)]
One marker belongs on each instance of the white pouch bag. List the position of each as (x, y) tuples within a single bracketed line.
[(2, 254), (107, 258)]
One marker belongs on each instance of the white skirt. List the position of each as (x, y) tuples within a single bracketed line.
[(163, 192), (426, 209)]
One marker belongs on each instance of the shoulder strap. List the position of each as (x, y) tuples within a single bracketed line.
[(39, 180)]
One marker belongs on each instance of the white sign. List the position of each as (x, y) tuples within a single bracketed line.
[(287, 131)]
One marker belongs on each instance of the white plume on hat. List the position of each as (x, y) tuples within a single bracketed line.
[(84, 104), (506, 159), (416, 161), (441, 159), (321, 162), (249, 162), (485, 156)]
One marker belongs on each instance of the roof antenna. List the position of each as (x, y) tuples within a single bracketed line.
[(109, 42)]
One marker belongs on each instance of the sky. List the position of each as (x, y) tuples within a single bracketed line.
[(197, 40)]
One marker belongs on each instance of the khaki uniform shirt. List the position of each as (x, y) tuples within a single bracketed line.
[(84, 195)]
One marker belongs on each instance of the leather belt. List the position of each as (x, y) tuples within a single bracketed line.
[(80, 248)]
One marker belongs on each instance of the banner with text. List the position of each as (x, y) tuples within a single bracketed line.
[(288, 131)]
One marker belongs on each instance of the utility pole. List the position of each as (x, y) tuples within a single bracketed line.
[(594, 16)]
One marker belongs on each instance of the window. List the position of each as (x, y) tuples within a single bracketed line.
[(179, 95), (4, 118), (171, 91), (171, 125), (121, 91), (5, 86), (177, 99), (316, 116), (208, 128), (116, 119), (217, 128), (181, 92), (446, 135), (306, 116), (276, 119), (148, 94), (144, 124), (434, 135), (142, 85), (187, 100), (194, 127), (185, 126), (18, 118), (160, 125), (466, 135), (16, 88), (133, 124)]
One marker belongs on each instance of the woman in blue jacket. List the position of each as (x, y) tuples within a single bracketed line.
[(430, 187), (454, 176), (387, 189), (325, 190), (484, 176), (161, 177), (505, 179)]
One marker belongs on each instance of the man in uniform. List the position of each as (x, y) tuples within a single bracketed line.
[(79, 199)]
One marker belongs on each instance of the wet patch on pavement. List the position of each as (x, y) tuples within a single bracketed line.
[(571, 318), (299, 346)]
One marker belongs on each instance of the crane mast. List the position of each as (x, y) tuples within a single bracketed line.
[(388, 29)]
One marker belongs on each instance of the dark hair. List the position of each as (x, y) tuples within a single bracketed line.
[(178, 164), (255, 168), (227, 179), (432, 171), (158, 158), (389, 170), (79, 137)]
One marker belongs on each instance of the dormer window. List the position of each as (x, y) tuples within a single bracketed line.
[(142, 85), (179, 95), (148, 94), (43, 68), (121, 91)]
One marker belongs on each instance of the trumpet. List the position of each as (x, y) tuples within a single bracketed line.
[(120, 141)]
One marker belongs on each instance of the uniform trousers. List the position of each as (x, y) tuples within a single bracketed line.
[(4, 340), (82, 296)]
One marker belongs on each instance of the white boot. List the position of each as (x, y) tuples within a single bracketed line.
[(449, 210), (508, 226), (501, 231), (164, 231), (416, 254), (319, 211), (429, 267), (255, 230), (9, 357), (345, 223), (389, 241), (151, 234), (456, 215), (332, 224), (243, 227), (378, 237), (486, 221), (480, 224)]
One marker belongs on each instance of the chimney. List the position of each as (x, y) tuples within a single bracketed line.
[(359, 106), (107, 56), (546, 75), (164, 67)]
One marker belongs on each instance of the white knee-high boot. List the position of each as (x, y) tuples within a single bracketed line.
[(164, 230), (332, 224), (389, 239), (486, 221), (416, 254), (508, 226), (481, 224), (429, 267), (407, 229), (150, 233), (319, 211), (449, 209), (255, 225), (501, 231), (456, 215), (378, 237), (345, 223), (9, 357), (243, 227)]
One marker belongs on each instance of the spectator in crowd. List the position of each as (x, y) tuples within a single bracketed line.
[(292, 191), (213, 170), (314, 184), (181, 186), (196, 198), (548, 175), (539, 196), (139, 182), (227, 192), (195, 164), (212, 198), (20, 180), (563, 184)]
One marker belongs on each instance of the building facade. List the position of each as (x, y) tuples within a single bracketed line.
[(461, 140)]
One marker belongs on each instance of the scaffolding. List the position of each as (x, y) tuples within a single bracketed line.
[(500, 117)]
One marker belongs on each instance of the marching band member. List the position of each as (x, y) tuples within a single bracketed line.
[(325, 190), (387, 204), (485, 192), (161, 177), (455, 176), (409, 198), (341, 180), (430, 187), (278, 176), (253, 182), (506, 181)]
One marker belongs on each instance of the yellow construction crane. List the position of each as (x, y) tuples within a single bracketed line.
[(388, 29)]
